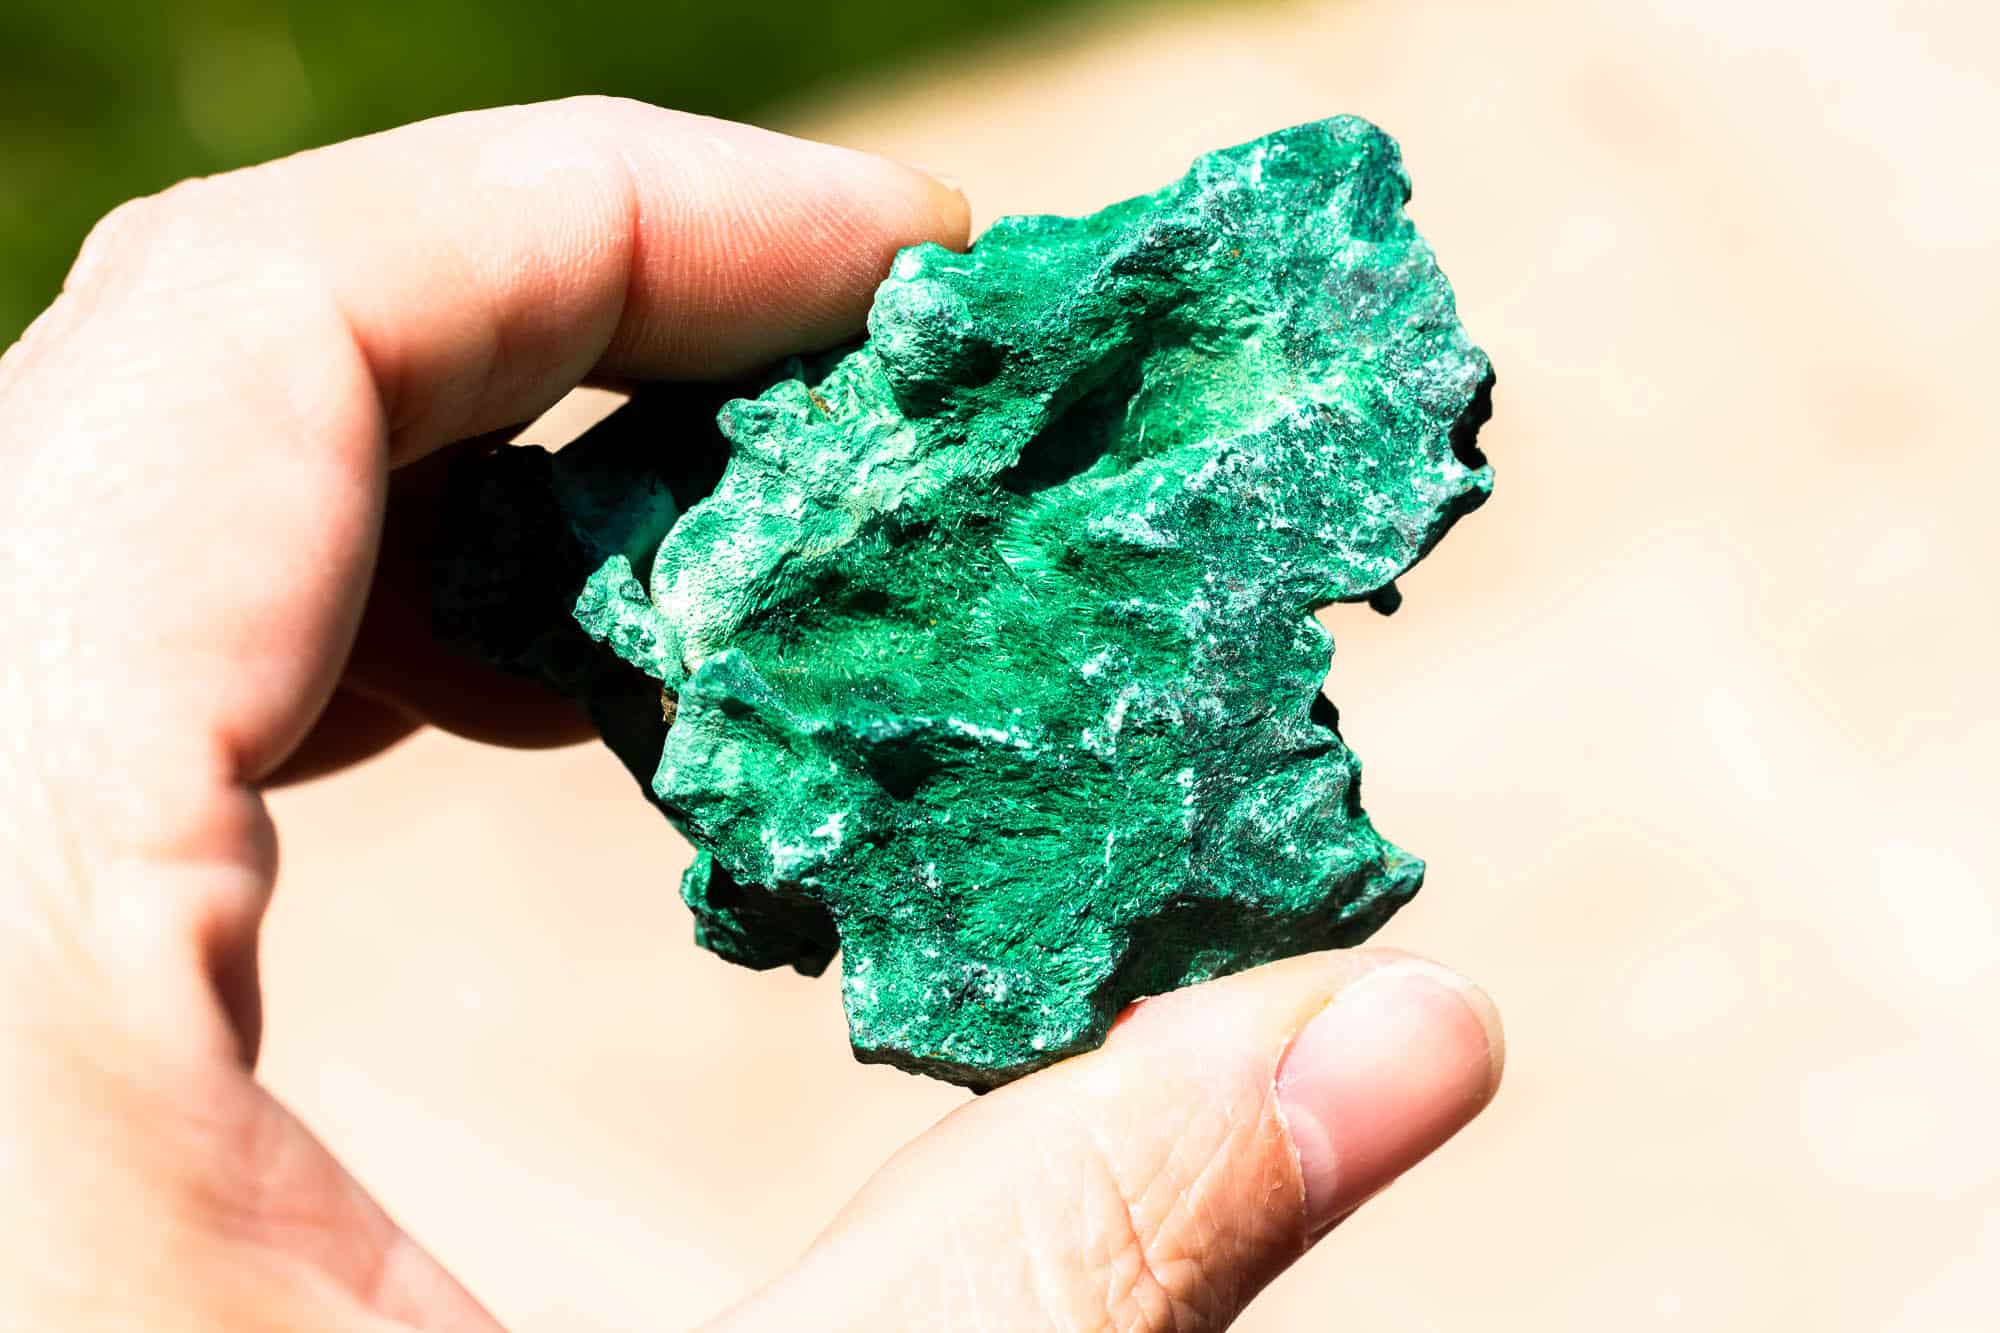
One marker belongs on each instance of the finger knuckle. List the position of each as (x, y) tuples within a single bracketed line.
[(111, 233), (138, 220), (144, 229), (609, 106)]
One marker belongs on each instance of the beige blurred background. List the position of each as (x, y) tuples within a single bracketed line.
[(1694, 722)]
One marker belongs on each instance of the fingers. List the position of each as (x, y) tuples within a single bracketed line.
[(1159, 1183), (200, 426), (484, 263), (198, 438), (198, 442)]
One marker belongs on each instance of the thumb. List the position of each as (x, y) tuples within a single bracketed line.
[(1160, 1182)]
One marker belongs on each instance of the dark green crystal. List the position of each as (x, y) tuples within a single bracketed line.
[(988, 646)]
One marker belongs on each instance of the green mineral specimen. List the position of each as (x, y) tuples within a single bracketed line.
[(984, 652)]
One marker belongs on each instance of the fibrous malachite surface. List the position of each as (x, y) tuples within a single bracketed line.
[(984, 653)]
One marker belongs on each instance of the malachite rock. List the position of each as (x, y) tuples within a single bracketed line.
[(984, 653)]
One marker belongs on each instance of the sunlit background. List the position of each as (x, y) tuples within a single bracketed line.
[(1694, 722)]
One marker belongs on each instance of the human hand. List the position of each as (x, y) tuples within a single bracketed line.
[(202, 438)]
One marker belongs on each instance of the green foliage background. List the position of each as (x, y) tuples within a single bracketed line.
[(103, 101)]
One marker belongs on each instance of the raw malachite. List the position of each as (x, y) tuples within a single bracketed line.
[(984, 652)]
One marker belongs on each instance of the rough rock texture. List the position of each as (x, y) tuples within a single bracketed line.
[(988, 646)]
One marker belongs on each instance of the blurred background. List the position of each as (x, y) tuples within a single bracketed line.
[(1694, 723)]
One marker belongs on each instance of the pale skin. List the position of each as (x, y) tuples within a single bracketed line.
[(203, 435)]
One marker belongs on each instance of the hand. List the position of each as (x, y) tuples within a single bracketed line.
[(202, 437)]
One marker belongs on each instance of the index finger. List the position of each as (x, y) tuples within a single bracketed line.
[(202, 422), (485, 262)]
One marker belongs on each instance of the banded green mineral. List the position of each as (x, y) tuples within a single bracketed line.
[(983, 652)]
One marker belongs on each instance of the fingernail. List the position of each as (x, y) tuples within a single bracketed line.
[(1395, 1064)]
